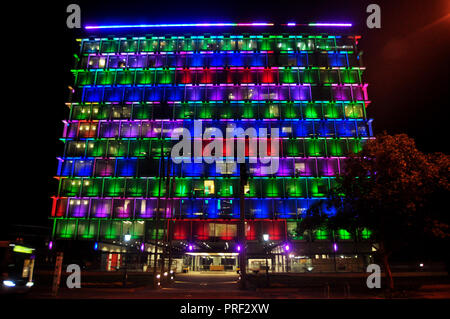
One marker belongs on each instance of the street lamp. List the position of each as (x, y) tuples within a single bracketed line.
[(127, 238), (287, 248), (266, 238), (335, 248)]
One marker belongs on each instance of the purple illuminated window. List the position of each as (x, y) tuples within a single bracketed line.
[(144, 208), (109, 129), (328, 167), (101, 208), (78, 207), (123, 208), (104, 167), (341, 93)]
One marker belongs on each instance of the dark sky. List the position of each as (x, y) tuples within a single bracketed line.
[(407, 70)]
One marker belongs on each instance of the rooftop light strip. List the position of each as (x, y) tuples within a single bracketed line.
[(318, 24), (168, 25), (226, 24), (329, 24)]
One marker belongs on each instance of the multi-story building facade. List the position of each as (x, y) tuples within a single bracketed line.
[(130, 93)]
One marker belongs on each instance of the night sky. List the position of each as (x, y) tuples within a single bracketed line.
[(407, 64)]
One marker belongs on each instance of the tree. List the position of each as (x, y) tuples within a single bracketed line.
[(393, 189)]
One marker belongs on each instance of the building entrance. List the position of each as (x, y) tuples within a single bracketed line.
[(211, 262)]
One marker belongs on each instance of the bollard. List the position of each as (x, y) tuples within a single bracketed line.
[(347, 290), (327, 290)]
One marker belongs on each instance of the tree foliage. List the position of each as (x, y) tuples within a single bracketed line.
[(393, 189)]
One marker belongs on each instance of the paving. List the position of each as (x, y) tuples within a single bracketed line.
[(225, 285)]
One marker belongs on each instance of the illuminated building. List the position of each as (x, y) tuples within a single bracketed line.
[(130, 93)]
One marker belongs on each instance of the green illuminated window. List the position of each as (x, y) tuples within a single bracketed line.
[(151, 231), (165, 76), (128, 45), (253, 188), (325, 43), (355, 145), (336, 147), (318, 187), (81, 112), (293, 147), (290, 110), (309, 76), (225, 111), (269, 111), (85, 78), (153, 188), (321, 234), (155, 147), (265, 44), (114, 187), (117, 148), (70, 187), (204, 111), (272, 187), (227, 187), (332, 110), (349, 76), (65, 228), (292, 230), (183, 187), (366, 234), (184, 111), (91, 187), (185, 44), (329, 76), (148, 45), (289, 76), (87, 229), (145, 77), (315, 147), (295, 187), (105, 77), (139, 148), (344, 235), (312, 110), (125, 77), (225, 44), (249, 110), (100, 112), (109, 46), (110, 229), (96, 148), (136, 187), (142, 111), (198, 188)]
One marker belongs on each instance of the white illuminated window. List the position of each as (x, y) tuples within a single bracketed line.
[(246, 189), (225, 168), (299, 167), (209, 187)]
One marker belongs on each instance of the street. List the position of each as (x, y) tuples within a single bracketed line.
[(224, 285)]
